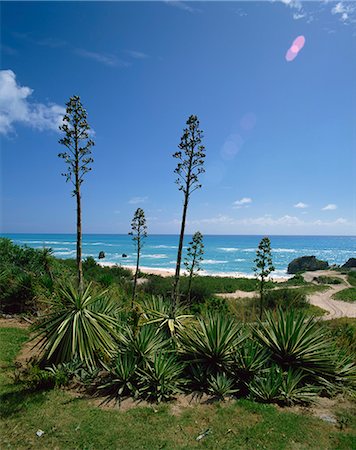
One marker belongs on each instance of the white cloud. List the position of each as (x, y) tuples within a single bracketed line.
[(136, 200), (181, 5), (297, 4), (137, 55), (103, 58), (329, 207), (245, 201), (301, 205), (17, 107)]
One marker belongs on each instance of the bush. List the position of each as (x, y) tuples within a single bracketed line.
[(161, 378), (80, 325), (285, 299), (212, 342)]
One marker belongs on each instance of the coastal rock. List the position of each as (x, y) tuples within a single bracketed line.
[(124, 255), (306, 263), (349, 264), (101, 255)]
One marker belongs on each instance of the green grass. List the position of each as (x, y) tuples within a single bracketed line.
[(347, 295), (351, 277), (70, 422)]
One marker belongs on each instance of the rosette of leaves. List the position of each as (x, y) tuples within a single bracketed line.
[(80, 326)]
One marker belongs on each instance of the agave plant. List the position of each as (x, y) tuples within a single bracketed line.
[(266, 388), (293, 390), (250, 358), (286, 388), (161, 378), (157, 310), (77, 328), (120, 381), (221, 386), (295, 340), (143, 344), (212, 342)]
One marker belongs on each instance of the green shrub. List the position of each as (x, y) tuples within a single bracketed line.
[(79, 325), (327, 280), (285, 299), (143, 344), (121, 379), (285, 388), (249, 359), (346, 295), (221, 386), (296, 341), (212, 341), (161, 378)]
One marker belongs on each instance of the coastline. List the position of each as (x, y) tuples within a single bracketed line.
[(170, 272)]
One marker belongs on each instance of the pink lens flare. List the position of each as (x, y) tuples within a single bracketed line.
[(299, 42), (295, 48)]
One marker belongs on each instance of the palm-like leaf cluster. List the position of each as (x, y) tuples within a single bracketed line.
[(80, 325)]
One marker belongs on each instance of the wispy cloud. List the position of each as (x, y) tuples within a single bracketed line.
[(16, 107), (137, 55), (181, 5), (100, 57), (137, 200), (103, 58), (329, 207), (301, 205), (245, 201), (6, 49), (345, 11)]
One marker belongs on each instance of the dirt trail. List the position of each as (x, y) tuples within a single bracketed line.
[(335, 308), (324, 300)]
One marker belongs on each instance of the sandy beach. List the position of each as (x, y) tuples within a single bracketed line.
[(170, 272)]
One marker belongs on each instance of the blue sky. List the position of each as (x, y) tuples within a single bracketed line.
[(279, 136)]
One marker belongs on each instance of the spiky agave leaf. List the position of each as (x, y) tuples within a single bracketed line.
[(221, 385), (157, 310), (121, 381), (295, 340), (144, 343), (161, 378), (77, 328), (213, 342)]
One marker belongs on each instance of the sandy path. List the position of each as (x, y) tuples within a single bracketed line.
[(324, 300)]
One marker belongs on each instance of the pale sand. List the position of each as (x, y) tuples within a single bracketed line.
[(170, 272)]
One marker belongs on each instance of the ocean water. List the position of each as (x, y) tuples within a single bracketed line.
[(231, 255)]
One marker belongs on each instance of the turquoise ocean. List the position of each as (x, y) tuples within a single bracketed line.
[(230, 255)]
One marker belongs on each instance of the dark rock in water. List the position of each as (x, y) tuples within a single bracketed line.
[(307, 263), (349, 264), (124, 255), (101, 255)]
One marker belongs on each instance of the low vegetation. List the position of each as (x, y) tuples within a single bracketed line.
[(346, 295), (93, 342), (69, 421)]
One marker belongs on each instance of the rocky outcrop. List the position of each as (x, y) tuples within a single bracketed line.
[(305, 263), (101, 255), (349, 264)]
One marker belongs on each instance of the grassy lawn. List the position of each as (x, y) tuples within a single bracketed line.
[(70, 422), (347, 295)]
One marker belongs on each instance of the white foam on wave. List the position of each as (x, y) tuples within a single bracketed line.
[(163, 246), (239, 260), (228, 249), (213, 261), (156, 256), (283, 250), (68, 253)]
